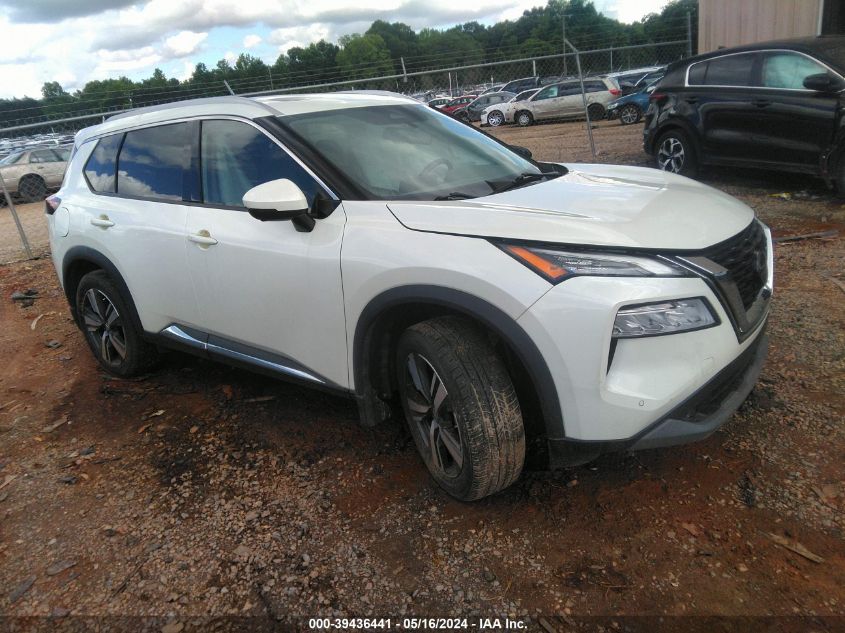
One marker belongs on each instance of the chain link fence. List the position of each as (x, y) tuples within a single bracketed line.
[(34, 150)]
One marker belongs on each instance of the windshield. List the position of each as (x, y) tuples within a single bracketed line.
[(397, 152), (11, 159)]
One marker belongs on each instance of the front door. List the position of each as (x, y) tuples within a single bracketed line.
[(266, 290)]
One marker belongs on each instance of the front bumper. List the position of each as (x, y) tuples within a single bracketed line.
[(698, 417), (611, 114)]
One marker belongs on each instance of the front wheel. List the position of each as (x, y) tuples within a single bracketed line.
[(630, 114), (676, 154), (495, 118), (524, 118), (105, 319), (596, 111), (461, 407)]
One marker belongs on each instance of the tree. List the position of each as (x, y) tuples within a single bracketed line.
[(364, 56)]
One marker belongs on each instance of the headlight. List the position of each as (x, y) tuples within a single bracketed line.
[(665, 317), (556, 265)]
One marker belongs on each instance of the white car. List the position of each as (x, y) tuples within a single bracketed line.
[(369, 245), (501, 113)]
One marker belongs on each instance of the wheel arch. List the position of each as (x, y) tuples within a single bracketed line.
[(81, 260), (686, 128), (387, 315)]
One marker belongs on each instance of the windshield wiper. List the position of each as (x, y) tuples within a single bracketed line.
[(455, 195), (519, 181)]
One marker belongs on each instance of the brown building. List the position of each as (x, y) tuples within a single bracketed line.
[(734, 22)]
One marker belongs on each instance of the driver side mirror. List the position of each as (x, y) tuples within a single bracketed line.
[(277, 200), (821, 82), (522, 151)]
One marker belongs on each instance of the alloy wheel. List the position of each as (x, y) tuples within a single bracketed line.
[(432, 416), (670, 156), (495, 119), (104, 326), (524, 119), (629, 115)]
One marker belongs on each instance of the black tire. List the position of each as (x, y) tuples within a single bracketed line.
[(675, 153), (524, 118), (596, 111), (495, 118), (630, 113), (463, 116), (114, 340), (32, 188), (476, 411)]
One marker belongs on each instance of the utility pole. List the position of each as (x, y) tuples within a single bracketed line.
[(270, 72), (563, 29), (689, 35), (404, 72)]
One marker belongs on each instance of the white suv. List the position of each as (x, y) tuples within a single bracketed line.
[(369, 245)]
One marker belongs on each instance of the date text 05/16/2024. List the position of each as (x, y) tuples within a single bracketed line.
[(417, 624)]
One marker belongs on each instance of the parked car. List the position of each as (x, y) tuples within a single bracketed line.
[(629, 109), (518, 85), (501, 113), (472, 111), (631, 80), (775, 105), (494, 88), (439, 102), (624, 308), (458, 103), (564, 101), (29, 174)]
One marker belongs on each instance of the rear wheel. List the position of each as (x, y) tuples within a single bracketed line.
[(676, 154), (104, 317), (596, 111), (461, 407), (32, 188), (495, 118), (524, 118), (630, 114)]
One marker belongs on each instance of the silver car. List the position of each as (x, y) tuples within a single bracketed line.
[(501, 113), (30, 173), (563, 100)]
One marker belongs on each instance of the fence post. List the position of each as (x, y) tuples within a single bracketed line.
[(689, 35), (21, 232), (583, 97)]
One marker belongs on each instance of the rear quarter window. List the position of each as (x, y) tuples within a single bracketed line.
[(101, 167)]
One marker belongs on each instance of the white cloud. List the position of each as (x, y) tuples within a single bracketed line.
[(184, 43), (230, 57), (252, 40), (287, 38)]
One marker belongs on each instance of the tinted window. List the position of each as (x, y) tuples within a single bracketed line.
[(101, 166), (733, 70), (568, 90), (549, 92), (696, 74), (236, 157), (788, 70), (595, 86), (152, 162)]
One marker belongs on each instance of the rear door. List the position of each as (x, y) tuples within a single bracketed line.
[(794, 125), (546, 102), (721, 94), (47, 164)]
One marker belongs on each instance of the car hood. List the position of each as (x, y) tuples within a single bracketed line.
[(597, 205)]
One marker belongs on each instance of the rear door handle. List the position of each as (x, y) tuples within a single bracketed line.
[(103, 222), (761, 103), (691, 99), (203, 238)]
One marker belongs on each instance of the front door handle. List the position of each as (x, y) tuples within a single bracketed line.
[(203, 238), (761, 103), (103, 221), (691, 100)]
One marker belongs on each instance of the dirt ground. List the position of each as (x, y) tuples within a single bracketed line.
[(202, 491)]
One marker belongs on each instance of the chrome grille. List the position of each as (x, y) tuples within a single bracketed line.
[(744, 257)]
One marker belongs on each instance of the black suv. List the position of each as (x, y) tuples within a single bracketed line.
[(773, 105)]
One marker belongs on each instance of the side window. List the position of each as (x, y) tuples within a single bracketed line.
[(568, 90), (101, 167), (788, 70), (152, 162), (696, 74), (549, 92), (42, 156), (731, 70), (595, 86), (235, 157)]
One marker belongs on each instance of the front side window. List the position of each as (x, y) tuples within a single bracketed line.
[(152, 162), (789, 70), (42, 156), (549, 92), (235, 157), (101, 168), (409, 152)]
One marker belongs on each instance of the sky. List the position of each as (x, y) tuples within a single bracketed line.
[(76, 41)]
